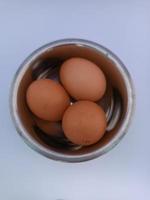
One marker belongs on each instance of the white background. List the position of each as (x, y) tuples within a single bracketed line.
[(124, 27)]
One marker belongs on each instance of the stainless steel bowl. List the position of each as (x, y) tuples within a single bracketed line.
[(118, 102)]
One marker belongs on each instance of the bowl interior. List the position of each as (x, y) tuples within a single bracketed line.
[(46, 63)]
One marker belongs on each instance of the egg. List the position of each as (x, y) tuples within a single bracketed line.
[(83, 79), (84, 123), (47, 99), (53, 129)]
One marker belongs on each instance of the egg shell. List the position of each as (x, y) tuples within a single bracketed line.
[(83, 79), (47, 99), (84, 123), (50, 128)]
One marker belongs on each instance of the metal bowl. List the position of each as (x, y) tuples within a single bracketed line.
[(118, 101)]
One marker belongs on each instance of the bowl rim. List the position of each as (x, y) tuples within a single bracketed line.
[(59, 156)]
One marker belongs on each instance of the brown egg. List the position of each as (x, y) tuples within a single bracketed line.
[(50, 128), (47, 99), (83, 79), (84, 123)]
